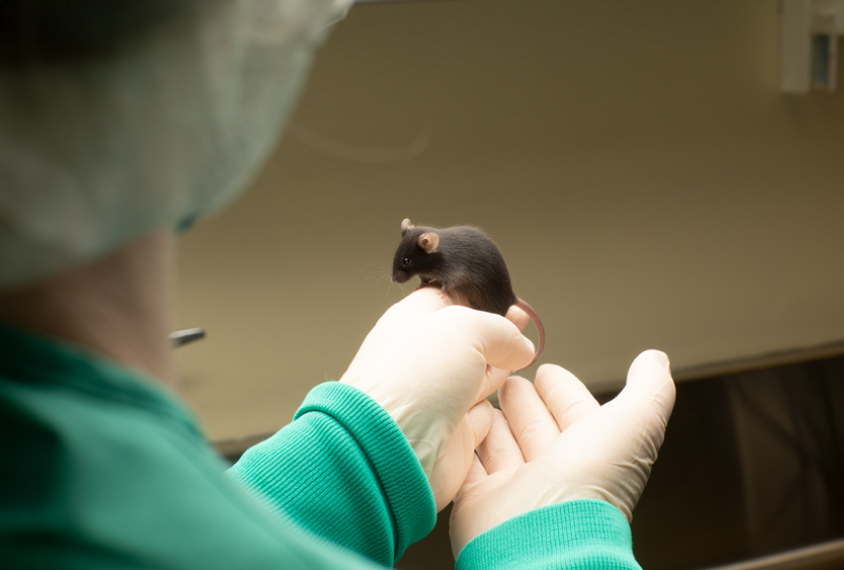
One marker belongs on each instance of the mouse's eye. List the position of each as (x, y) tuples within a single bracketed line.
[(405, 262)]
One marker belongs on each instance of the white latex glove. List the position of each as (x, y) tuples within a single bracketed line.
[(551, 442), (425, 362)]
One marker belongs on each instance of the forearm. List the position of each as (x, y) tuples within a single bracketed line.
[(344, 471)]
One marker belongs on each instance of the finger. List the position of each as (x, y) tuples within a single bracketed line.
[(533, 426), (492, 382), (480, 421), (500, 342), (649, 385), (476, 474), (518, 317), (499, 451), (565, 396)]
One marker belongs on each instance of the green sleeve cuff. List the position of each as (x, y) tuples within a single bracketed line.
[(582, 534), (403, 482), (344, 470)]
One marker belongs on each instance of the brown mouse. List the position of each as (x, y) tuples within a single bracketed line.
[(462, 259)]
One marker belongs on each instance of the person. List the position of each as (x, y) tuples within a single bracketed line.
[(120, 124)]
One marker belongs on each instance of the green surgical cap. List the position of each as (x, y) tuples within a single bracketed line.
[(103, 138)]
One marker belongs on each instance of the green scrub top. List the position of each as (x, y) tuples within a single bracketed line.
[(104, 468)]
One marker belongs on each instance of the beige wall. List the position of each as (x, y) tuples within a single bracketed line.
[(635, 161)]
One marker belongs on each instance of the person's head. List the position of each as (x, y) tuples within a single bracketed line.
[(37, 32), (119, 117)]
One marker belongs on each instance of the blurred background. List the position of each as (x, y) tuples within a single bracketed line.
[(649, 185)]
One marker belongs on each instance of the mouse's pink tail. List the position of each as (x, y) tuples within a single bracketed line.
[(523, 305)]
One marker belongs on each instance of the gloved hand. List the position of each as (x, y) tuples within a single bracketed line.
[(551, 442), (425, 363)]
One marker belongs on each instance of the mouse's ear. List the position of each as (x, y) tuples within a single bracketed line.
[(405, 225), (429, 242)]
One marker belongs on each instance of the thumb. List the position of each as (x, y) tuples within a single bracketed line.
[(650, 385), (642, 409), (502, 343)]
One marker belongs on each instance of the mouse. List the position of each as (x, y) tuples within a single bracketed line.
[(462, 259)]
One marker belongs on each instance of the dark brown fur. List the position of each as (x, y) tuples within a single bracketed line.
[(464, 260)]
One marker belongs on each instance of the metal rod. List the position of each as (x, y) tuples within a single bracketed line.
[(183, 337), (824, 555)]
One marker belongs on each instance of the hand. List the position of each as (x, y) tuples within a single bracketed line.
[(551, 442), (425, 362)]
